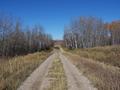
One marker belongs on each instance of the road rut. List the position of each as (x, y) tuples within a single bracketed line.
[(75, 80), (34, 81)]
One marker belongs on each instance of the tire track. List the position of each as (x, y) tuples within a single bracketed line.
[(75, 80), (33, 82)]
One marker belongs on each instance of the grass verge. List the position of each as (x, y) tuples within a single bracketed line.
[(103, 76), (57, 76), (13, 72), (108, 54)]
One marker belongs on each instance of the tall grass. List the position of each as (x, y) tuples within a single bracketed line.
[(105, 76), (108, 54), (14, 71)]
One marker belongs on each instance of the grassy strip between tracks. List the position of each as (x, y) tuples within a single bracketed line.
[(57, 76)]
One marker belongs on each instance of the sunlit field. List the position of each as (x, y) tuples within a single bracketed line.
[(14, 71), (100, 65)]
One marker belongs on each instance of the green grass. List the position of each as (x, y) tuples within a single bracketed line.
[(57, 75), (108, 55), (14, 71)]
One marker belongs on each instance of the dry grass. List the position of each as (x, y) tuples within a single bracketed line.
[(57, 76), (102, 75), (13, 72), (108, 55)]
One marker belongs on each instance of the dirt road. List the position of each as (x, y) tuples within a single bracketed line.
[(75, 80), (34, 81)]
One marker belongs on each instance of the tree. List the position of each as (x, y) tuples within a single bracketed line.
[(115, 32), (15, 40), (85, 32)]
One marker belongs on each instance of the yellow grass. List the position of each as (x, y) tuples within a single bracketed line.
[(57, 75), (103, 73), (14, 71), (108, 54)]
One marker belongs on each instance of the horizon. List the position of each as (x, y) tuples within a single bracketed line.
[(53, 15)]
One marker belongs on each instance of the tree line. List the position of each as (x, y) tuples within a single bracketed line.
[(18, 40), (86, 32)]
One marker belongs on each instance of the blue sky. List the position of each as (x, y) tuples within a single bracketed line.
[(53, 15)]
